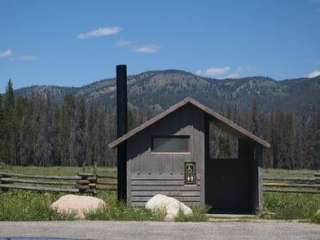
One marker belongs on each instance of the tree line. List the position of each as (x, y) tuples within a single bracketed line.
[(37, 131)]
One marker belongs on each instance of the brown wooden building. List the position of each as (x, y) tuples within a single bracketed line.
[(169, 154)]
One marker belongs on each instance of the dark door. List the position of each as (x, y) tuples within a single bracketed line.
[(227, 185)]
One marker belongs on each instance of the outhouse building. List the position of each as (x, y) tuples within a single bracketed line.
[(169, 154)]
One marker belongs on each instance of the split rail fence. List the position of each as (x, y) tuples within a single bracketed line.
[(81, 183), (292, 184), (90, 183)]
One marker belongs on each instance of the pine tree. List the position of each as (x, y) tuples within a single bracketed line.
[(10, 126), (80, 131), (254, 122), (2, 150)]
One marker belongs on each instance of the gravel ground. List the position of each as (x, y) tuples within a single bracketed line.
[(265, 230)]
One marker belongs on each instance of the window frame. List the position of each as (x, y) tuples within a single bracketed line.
[(188, 137)]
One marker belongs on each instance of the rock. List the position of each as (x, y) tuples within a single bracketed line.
[(160, 202), (77, 205)]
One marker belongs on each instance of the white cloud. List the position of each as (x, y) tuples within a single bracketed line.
[(313, 74), (233, 75), (100, 32), (147, 49), (27, 58), (213, 71), (198, 72), (6, 53)]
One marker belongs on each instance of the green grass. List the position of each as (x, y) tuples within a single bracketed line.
[(120, 211), (23, 205), (33, 206), (27, 206), (199, 215), (69, 171), (56, 171), (288, 173), (316, 217), (292, 205)]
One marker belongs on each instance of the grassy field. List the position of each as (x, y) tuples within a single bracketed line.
[(22, 205), (68, 171), (56, 171)]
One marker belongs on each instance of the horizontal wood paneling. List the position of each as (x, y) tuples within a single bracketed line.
[(168, 188), (142, 204), (167, 193), (158, 176), (151, 173), (180, 198)]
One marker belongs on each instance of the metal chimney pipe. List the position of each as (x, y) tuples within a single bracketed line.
[(122, 128)]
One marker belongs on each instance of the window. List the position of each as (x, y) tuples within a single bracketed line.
[(222, 145), (178, 144)]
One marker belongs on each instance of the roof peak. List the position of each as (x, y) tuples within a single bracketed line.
[(228, 124)]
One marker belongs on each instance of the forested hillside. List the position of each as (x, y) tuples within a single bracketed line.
[(43, 125)]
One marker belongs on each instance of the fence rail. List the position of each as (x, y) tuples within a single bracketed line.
[(292, 184), (90, 183), (82, 183)]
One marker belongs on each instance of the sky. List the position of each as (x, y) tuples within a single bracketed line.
[(73, 43)]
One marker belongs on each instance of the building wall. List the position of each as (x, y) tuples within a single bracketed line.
[(149, 173)]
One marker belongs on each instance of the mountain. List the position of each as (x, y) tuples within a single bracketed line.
[(157, 90)]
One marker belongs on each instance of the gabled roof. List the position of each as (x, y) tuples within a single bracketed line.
[(218, 119)]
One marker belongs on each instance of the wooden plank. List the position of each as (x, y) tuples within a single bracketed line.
[(158, 177), (167, 193), (182, 199), (107, 183), (85, 175), (106, 177), (281, 190), (157, 183), (45, 189), (27, 181), (289, 179), (83, 182), (168, 188), (142, 204), (290, 185), (39, 176), (260, 185)]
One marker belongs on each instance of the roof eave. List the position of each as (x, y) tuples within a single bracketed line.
[(231, 125)]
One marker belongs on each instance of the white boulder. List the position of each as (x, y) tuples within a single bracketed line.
[(172, 206), (77, 205)]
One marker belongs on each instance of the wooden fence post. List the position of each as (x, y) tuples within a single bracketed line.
[(317, 177), (1, 181), (4, 175), (87, 183)]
